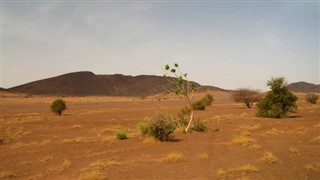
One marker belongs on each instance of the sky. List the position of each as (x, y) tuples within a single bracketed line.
[(228, 44)]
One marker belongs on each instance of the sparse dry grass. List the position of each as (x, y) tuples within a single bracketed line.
[(92, 175), (76, 126), (269, 158), (274, 131), (203, 156), (108, 139), (240, 170), (100, 165), (173, 157), (254, 147), (248, 127), (7, 174), (242, 140), (150, 140), (317, 126), (301, 130)]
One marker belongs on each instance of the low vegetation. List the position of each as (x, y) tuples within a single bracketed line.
[(173, 157), (246, 96), (312, 98), (199, 105), (278, 102), (161, 127), (58, 106), (240, 170), (269, 158), (121, 134), (199, 126), (143, 128)]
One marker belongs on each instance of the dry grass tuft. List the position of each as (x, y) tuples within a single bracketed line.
[(274, 131), (312, 167), (293, 151), (316, 139), (242, 140), (317, 126), (92, 175), (66, 164), (179, 130), (221, 174), (240, 170), (203, 156), (173, 157), (254, 147), (269, 158)]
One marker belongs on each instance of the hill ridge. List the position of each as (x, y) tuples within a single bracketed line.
[(86, 83)]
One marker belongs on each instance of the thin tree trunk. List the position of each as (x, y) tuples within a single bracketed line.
[(190, 121), (191, 116)]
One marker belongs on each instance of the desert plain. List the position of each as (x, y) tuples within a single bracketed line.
[(81, 143)]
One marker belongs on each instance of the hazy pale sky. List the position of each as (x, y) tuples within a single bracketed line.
[(229, 44)]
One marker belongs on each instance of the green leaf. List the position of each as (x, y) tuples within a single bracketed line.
[(167, 67), (173, 70), (176, 65)]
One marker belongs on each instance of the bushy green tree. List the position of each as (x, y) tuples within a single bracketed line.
[(58, 106), (279, 101)]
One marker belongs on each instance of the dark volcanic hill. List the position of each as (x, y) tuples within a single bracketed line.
[(89, 84), (304, 87)]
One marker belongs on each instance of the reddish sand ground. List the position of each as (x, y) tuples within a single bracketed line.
[(81, 143)]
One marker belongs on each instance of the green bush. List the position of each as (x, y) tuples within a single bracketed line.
[(199, 126), (161, 127), (207, 100), (278, 102), (312, 98), (121, 134), (58, 106), (199, 105), (143, 128)]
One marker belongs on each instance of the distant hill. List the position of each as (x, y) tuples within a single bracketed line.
[(304, 87), (88, 84)]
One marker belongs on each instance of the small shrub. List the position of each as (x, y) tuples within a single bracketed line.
[(120, 134), (199, 105), (58, 106), (199, 126), (161, 127), (143, 128), (207, 100), (312, 98)]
